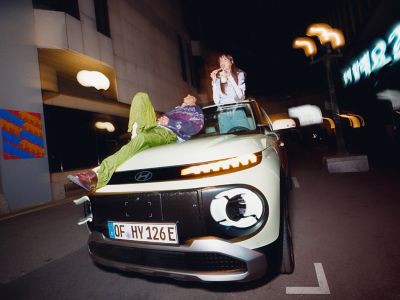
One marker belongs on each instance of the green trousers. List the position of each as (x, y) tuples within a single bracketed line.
[(148, 135)]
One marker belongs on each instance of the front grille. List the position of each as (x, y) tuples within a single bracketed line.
[(189, 209), (183, 261), (180, 207)]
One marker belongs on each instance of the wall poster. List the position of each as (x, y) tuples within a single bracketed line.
[(22, 134)]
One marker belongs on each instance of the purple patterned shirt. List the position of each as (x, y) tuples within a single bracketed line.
[(185, 121)]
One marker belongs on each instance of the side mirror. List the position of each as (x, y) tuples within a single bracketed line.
[(283, 124)]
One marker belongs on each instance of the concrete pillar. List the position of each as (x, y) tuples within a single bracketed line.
[(24, 182)]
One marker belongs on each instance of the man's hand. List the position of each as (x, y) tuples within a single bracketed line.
[(164, 120)]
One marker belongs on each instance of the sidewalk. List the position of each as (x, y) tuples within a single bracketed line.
[(35, 237), (71, 193)]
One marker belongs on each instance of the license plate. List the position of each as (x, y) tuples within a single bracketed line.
[(165, 233)]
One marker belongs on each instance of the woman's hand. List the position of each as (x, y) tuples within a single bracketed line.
[(214, 73)]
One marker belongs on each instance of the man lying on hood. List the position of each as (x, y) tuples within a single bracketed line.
[(179, 124)]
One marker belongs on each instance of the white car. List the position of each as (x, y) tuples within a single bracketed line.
[(211, 209)]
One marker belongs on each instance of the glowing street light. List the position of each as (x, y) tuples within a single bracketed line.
[(326, 34), (307, 44), (354, 121), (330, 121), (317, 29), (336, 38)]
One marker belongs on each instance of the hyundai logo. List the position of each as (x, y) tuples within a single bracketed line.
[(143, 176)]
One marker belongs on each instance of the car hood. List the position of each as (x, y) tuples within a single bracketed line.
[(196, 151)]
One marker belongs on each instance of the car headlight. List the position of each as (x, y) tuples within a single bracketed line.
[(234, 211), (223, 166), (238, 207)]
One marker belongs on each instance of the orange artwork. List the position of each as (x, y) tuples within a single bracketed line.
[(22, 134)]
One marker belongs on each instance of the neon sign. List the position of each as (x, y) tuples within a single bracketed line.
[(380, 54)]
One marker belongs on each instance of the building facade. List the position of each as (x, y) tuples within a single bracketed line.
[(46, 114)]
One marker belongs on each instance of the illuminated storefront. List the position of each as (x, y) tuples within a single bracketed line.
[(371, 81), (382, 52)]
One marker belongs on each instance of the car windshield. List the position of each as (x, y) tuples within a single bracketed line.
[(228, 119)]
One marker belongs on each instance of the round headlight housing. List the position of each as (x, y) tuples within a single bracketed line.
[(233, 211), (238, 207)]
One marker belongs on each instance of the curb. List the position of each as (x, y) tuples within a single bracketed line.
[(25, 211)]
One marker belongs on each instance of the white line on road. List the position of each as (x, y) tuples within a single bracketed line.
[(295, 182), (323, 287)]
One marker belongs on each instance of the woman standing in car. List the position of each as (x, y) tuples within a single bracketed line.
[(228, 85), (228, 82)]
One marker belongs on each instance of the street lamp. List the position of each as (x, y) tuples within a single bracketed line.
[(332, 40)]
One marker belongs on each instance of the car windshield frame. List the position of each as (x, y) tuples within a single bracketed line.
[(246, 117)]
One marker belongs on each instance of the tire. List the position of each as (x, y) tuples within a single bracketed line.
[(285, 235), (280, 256)]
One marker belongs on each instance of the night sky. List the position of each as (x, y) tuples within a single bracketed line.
[(259, 35)]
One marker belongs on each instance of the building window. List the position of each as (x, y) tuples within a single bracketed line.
[(75, 145), (102, 22), (70, 7), (182, 58)]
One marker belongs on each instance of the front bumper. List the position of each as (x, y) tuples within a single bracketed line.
[(202, 259)]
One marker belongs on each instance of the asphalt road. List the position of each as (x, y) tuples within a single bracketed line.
[(346, 240)]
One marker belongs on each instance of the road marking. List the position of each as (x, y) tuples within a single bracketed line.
[(323, 287), (295, 182)]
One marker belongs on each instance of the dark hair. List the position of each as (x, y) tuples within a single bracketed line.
[(234, 71)]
